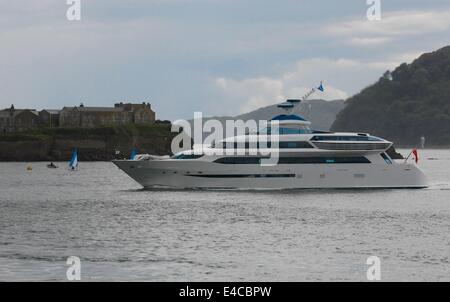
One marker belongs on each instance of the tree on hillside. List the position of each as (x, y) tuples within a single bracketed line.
[(403, 105)]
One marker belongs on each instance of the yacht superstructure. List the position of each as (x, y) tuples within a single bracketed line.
[(304, 159)]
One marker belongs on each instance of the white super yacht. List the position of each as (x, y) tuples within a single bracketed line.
[(305, 159)]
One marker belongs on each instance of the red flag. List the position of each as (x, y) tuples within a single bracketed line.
[(416, 157)]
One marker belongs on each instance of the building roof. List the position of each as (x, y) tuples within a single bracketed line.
[(102, 109), (17, 111), (51, 111), (96, 109)]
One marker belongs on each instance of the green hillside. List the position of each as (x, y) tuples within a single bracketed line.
[(412, 101)]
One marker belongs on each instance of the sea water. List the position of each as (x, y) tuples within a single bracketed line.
[(121, 232)]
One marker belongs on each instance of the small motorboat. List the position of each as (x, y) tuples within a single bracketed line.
[(52, 166)]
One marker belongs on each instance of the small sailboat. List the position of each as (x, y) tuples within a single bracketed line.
[(73, 164), (133, 154)]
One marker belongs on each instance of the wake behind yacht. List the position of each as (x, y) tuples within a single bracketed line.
[(305, 159)]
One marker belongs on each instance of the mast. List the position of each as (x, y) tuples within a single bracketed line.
[(291, 104)]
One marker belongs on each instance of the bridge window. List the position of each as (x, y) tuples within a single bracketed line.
[(285, 130)]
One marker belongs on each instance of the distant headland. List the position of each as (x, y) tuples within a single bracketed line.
[(99, 133), (410, 103)]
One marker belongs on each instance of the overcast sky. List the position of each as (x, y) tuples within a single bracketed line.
[(216, 56)]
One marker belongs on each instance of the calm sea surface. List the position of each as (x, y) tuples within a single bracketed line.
[(123, 233)]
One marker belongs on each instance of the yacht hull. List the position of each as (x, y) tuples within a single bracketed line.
[(191, 174)]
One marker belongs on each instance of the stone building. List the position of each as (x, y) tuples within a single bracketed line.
[(50, 117), (4, 121), (18, 119), (12, 119), (120, 114)]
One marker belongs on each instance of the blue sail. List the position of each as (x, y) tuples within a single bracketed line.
[(74, 160), (133, 154)]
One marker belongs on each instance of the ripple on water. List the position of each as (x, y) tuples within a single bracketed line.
[(121, 232)]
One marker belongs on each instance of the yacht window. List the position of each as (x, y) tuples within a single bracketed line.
[(186, 156), (296, 160), (386, 158), (264, 145), (282, 145), (238, 160), (299, 144), (350, 146), (242, 175), (246, 145), (358, 138), (285, 130), (324, 160)]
